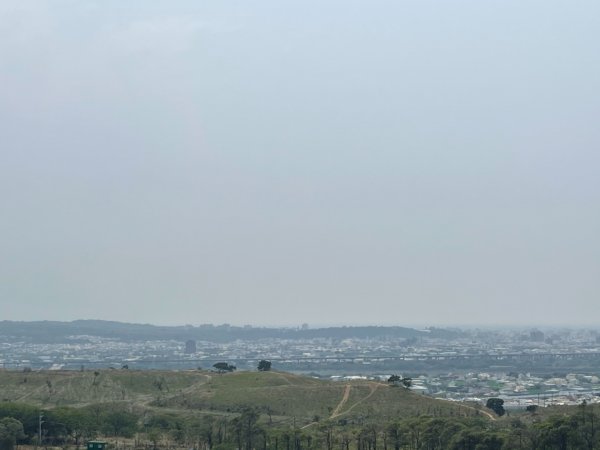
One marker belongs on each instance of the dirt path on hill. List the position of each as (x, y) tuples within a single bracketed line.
[(338, 408), (192, 387), (373, 387), (490, 415), (482, 411), (336, 411), (286, 379), (37, 390)]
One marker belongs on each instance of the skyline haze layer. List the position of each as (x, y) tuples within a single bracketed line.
[(389, 162)]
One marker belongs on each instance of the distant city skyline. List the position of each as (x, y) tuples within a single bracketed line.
[(386, 162)]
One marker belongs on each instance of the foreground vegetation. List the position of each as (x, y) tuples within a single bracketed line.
[(268, 411)]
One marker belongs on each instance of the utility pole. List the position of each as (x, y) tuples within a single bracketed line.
[(40, 422)]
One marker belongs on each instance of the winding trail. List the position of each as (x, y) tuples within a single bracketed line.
[(338, 408), (373, 387), (490, 415), (337, 412), (482, 411), (37, 390)]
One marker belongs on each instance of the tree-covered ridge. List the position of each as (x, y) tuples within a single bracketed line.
[(52, 331), (250, 428)]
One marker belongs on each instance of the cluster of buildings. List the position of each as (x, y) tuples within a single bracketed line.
[(517, 389)]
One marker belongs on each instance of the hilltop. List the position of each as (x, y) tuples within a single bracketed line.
[(277, 394)]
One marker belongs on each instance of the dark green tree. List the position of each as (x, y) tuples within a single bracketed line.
[(11, 430), (531, 408), (246, 429), (475, 439), (119, 423), (69, 424), (406, 382), (224, 367), (559, 433), (587, 424), (395, 435), (436, 433), (26, 414), (496, 405), (264, 365), (394, 380)]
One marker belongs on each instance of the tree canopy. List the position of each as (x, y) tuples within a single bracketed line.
[(496, 405), (10, 431), (224, 367), (394, 379), (397, 380), (264, 365)]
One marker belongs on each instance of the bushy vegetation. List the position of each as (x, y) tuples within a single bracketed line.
[(251, 428)]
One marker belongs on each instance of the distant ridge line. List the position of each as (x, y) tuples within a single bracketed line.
[(56, 331)]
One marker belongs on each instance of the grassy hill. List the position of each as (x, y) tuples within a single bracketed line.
[(280, 395)]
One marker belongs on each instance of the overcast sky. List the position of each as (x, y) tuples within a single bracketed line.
[(280, 162)]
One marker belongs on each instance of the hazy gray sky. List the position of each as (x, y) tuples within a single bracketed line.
[(279, 162)]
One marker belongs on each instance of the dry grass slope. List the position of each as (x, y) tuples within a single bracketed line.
[(281, 395)]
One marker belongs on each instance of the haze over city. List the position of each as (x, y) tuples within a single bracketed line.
[(341, 162)]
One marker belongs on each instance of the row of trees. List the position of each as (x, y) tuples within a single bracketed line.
[(222, 367), (249, 429), (74, 425)]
